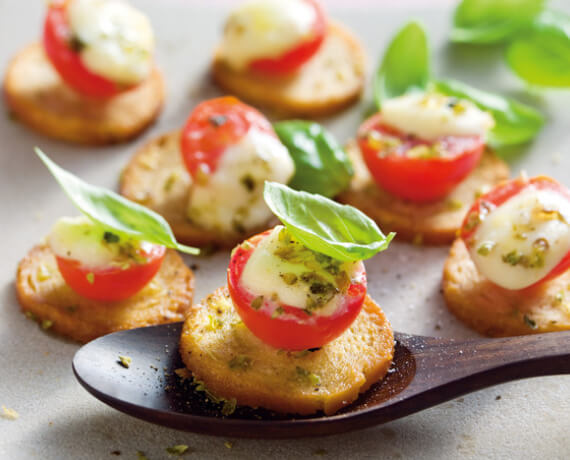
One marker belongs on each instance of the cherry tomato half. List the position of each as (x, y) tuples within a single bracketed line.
[(500, 194), (212, 127), (419, 179), (294, 58), (58, 45), (294, 329), (110, 284)]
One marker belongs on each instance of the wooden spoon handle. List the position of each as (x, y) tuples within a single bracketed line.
[(475, 364)]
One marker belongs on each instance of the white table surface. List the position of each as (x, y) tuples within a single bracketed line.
[(60, 420)]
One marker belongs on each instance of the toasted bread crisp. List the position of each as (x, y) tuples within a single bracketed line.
[(38, 97), (44, 296), (430, 223), (498, 312), (330, 81), (219, 350), (157, 178)]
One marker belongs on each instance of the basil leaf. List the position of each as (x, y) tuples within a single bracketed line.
[(492, 21), (339, 231), (405, 66), (321, 164), (514, 122), (113, 211), (541, 55)]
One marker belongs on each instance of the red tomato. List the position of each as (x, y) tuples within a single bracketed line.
[(212, 127), (415, 178), (294, 58), (501, 193), (110, 284), (294, 329), (58, 46)]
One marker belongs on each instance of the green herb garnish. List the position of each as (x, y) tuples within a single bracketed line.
[(113, 211), (321, 164), (338, 231), (179, 449), (405, 66)]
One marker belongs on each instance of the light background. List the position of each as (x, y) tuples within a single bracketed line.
[(59, 420)]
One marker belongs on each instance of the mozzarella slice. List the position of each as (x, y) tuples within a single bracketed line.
[(265, 29), (521, 241), (81, 239), (266, 274), (430, 116), (117, 41), (231, 199)]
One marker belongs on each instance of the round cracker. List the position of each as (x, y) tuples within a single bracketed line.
[(431, 223), (156, 177), (330, 81), (498, 312), (44, 296), (220, 351), (38, 97)]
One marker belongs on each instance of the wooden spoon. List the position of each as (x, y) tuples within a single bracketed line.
[(426, 371)]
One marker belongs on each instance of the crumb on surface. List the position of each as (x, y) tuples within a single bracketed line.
[(9, 414), (125, 361), (229, 444)]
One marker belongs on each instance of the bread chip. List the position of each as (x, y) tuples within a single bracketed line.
[(431, 223), (44, 295), (157, 178), (497, 312), (233, 363), (330, 81), (39, 98)]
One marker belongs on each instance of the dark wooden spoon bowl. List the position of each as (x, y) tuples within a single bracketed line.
[(426, 371)]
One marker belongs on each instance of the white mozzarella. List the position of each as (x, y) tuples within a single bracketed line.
[(232, 197), (519, 227), (265, 29), (263, 272), (79, 238), (431, 115), (117, 40)]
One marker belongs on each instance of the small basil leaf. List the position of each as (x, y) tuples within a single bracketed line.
[(405, 66), (541, 55), (492, 21), (339, 231), (321, 164), (514, 122), (113, 211)]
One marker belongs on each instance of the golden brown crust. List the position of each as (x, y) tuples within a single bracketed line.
[(497, 312), (433, 223), (44, 294), (332, 80), (213, 336), (39, 98), (157, 178)]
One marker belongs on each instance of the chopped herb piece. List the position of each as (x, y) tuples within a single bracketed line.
[(76, 44), (277, 312), (530, 322), (125, 361), (179, 449), (46, 324), (257, 302), (183, 373), (110, 237), (218, 120), (229, 406), (454, 204), (289, 278), (313, 379), (214, 323), (485, 248), (229, 444), (248, 182), (90, 277), (240, 362)]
